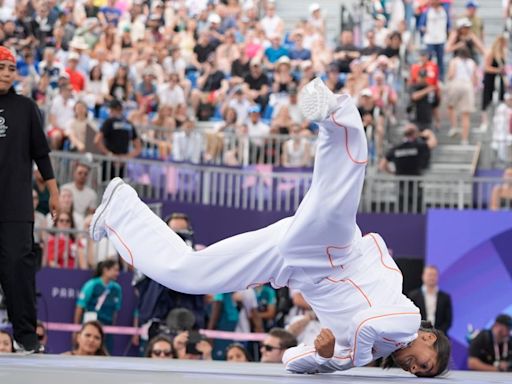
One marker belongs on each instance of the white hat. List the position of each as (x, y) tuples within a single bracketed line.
[(73, 56), (78, 42), (464, 23), (214, 18), (366, 92), (314, 7)]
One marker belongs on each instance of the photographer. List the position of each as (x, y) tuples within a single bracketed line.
[(491, 349), (190, 345), (423, 101)]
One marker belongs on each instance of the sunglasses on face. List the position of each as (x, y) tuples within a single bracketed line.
[(270, 348), (160, 352)]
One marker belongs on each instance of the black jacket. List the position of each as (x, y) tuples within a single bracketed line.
[(443, 308)]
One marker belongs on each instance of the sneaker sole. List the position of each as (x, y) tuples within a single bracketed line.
[(108, 194)]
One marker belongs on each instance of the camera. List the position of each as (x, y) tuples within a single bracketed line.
[(194, 337)]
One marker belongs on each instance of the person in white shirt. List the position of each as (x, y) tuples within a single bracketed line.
[(84, 197), (171, 93), (351, 282), (187, 143), (435, 28), (271, 23)]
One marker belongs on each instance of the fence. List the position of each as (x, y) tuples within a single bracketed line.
[(268, 188)]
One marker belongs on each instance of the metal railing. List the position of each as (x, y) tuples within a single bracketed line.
[(264, 188)]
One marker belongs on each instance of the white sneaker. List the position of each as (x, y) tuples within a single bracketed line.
[(97, 228), (316, 101), (453, 132)]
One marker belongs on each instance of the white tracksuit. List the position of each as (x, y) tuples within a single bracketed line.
[(350, 281)]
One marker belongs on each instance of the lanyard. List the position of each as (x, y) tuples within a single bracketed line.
[(504, 354)]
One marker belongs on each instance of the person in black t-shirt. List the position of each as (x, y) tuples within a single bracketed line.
[(423, 100), (257, 85), (203, 50), (22, 141), (410, 158), (118, 139), (346, 51), (491, 349)]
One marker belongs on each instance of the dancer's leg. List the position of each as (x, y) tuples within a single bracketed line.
[(147, 243), (327, 215)]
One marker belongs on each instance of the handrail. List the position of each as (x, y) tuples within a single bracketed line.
[(268, 188)]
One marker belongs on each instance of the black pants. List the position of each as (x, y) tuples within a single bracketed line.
[(18, 280)]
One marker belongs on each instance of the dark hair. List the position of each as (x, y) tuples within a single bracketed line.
[(96, 324), (286, 339), (241, 348), (105, 264), (156, 339), (442, 346), (91, 72), (10, 337)]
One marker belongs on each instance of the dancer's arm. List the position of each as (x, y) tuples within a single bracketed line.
[(397, 324), (305, 359)]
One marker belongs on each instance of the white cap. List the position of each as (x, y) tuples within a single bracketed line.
[(73, 56), (464, 23), (366, 92), (314, 7), (214, 18)]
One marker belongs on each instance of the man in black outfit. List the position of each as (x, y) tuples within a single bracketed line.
[(410, 157), (491, 349), (117, 139), (435, 305), (423, 101), (22, 141)]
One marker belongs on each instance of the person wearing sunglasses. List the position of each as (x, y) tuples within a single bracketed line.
[(351, 281), (275, 344), (160, 347)]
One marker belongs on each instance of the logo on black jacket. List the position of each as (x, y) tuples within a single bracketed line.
[(3, 127)]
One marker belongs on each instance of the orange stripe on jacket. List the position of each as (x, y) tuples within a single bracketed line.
[(299, 356), (354, 285), (346, 143), (122, 242), (382, 255), (373, 318)]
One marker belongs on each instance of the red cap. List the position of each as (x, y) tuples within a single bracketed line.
[(7, 55)]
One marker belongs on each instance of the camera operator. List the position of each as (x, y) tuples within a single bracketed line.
[(491, 349)]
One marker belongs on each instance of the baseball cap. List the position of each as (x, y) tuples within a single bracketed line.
[(472, 4), (73, 56), (254, 109), (314, 7), (366, 92), (115, 104), (504, 319), (464, 23)]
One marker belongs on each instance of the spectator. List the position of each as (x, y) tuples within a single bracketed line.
[(435, 305), (477, 25), (462, 80), (76, 78), (257, 131), (494, 66), (146, 92), (305, 327), (490, 349), (275, 344), (212, 87), (160, 347), (61, 113), (502, 194), (67, 206), (283, 77), (501, 134), (463, 37), (267, 306), (117, 139), (370, 49), (120, 86), (96, 89), (373, 121), (80, 127), (271, 23), (296, 150), (237, 353), (346, 51), (100, 297), (62, 245), (94, 252), (187, 143), (50, 67), (385, 96), (84, 197), (434, 24), (256, 84), (381, 32), (227, 52), (333, 80), (223, 317), (422, 102), (189, 345), (299, 53), (89, 341), (239, 103), (222, 136), (171, 93), (6, 342), (432, 78), (316, 19), (410, 158), (203, 50), (275, 51)]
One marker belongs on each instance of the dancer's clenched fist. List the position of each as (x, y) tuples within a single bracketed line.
[(324, 343)]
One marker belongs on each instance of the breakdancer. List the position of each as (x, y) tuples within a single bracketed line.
[(350, 280)]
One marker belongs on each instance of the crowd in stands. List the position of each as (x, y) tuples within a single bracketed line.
[(109, 74)]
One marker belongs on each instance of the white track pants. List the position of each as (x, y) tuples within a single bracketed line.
[(291, 249)]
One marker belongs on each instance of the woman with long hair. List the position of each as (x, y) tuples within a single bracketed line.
[(90, 341), (494, 70), (160, 347)]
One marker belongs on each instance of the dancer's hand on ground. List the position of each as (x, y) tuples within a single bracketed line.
[(324, 343)]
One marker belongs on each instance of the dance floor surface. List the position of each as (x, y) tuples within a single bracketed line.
[(58, 369)]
